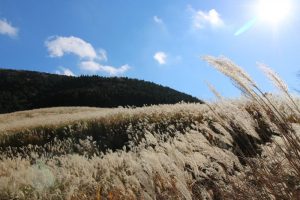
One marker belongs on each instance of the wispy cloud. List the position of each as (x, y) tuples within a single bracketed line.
[(89, 58), (102, 55), (96, 67), (7, 29), (159, 23), (65, 71), (158, 20), (160, 57), (201, 19)]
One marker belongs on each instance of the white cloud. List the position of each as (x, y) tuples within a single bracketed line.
[(201, 18), (65, 71), (90, 66), (160, 57), (158, 20), (7, 29), (89, 58), (93, 66), (58, 46)]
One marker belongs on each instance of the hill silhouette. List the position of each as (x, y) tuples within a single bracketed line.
[(23, 90)]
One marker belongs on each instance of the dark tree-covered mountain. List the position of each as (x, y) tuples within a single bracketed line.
[(22, 90)]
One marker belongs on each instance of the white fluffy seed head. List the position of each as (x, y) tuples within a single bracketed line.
[(274, 78)]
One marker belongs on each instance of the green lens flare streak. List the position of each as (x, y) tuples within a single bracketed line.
[(246, 27)]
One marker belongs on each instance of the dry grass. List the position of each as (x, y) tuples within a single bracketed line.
[(16, 121), (232, 149), (165, 152), (276, 175)]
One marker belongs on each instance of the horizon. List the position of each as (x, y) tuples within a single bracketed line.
[(160, 42)]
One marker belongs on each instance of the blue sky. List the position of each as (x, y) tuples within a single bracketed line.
[(159, 40)]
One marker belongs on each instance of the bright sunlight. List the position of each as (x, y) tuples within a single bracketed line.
[(273, 11)]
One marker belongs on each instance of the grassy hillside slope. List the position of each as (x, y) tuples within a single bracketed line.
[(231, 149), (182, 151), (23, 90)]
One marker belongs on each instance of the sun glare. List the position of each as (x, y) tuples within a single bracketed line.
[(273, 11)]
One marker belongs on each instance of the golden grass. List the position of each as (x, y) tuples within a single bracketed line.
[(247, 148), (21, 120), (178, 151)]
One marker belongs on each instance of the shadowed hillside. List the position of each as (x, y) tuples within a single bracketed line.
[(22, 90)]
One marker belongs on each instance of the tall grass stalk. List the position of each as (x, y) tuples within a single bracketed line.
[(272, 184)]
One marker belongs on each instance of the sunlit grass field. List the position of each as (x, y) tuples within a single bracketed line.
[(246, 148)]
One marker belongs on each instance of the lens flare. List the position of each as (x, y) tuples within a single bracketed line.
[(271, 12), (246, 27)]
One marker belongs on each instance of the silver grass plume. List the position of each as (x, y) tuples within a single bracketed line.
[(213, 90), (273, 76), (241, 80), (239, 77), (278, 82)]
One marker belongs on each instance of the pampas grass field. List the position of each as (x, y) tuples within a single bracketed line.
[(246, 148)]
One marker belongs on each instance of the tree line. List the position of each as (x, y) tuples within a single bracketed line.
[(23, 90)]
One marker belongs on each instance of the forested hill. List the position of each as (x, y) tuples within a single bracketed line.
[(22, 90)]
